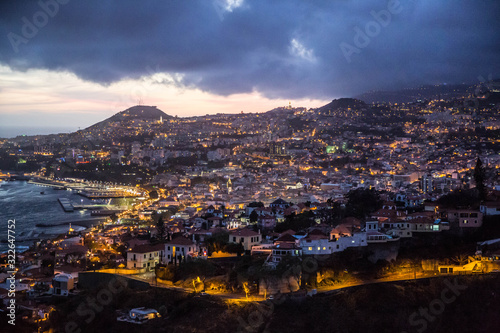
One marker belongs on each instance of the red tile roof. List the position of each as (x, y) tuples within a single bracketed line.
[(146, 248), (245, 232), (180, 240)]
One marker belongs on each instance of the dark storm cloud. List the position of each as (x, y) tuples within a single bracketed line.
[(282, 48)]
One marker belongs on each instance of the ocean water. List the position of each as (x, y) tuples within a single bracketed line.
[(22, 202), (13, 131)]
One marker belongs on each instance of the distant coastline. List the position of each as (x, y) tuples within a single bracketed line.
[(13, 131)]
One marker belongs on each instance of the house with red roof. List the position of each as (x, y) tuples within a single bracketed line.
[(181, 249), (145, 256), (245, 237)]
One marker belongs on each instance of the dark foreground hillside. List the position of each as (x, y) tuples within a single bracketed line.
[(445, 304)]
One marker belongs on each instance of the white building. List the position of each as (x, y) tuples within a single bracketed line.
[(63, 284), (180, 249), (145, 256), (490, 208), (245, 237)]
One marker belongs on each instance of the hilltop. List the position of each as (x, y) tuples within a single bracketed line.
[(138, 112), (342, 104)]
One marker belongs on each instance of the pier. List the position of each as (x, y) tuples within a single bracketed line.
[(107, 194), (47, 183), (66, 204), (83, 223), (91, 206)]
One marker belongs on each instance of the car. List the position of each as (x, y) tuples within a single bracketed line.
[(270, 297), (203, 293)]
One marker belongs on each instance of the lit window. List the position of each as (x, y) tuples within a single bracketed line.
[(310, 248)]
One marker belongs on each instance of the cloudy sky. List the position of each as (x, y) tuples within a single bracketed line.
[(71, 63)]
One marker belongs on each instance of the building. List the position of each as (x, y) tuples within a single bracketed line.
[(63, 284), (465, 218), (181, 249), (279, 204), (277, 149), (490, 208), (316, 242), (426, 183), (145, 256), (143, 314), (245, 237), (281, 251)]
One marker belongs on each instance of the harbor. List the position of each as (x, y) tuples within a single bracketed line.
[(66, 204), (40, 216), (87, 189), (87, 223)]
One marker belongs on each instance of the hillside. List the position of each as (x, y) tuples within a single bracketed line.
[(420, 93), (138, 112), (342, 104)]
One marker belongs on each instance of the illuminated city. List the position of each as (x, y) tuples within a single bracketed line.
[(181, 174)]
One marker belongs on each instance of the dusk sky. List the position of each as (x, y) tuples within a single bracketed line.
[(70, 64)]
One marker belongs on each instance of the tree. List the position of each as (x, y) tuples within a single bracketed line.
[(479, 175), (361, 202), (47, 266), (160, 228), (246, 289), (256, 204), (298, 222), (459, 198), (254, 216), (153, 194)]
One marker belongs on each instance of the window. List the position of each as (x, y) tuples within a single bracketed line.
[(134, 265), (168, 248), (319, 248), (324, 248), (338, 246), (465, 222), (234, 239), (144, 255), (310, 248), (189, 249), (134, 258)]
